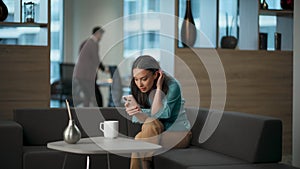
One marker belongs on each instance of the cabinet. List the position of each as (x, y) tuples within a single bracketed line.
[(243, 18), (258, 81), (24, 58), (274, 21)]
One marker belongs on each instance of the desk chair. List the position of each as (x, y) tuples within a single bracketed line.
[(62, 88), (116, 90)]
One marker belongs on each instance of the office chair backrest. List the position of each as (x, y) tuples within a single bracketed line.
[(116, 88), (66, 71)]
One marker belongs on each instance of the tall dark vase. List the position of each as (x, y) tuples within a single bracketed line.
[(188, 28), (3, 11), (287, 4)]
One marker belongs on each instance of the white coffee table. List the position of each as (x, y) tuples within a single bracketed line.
[(101, 145)]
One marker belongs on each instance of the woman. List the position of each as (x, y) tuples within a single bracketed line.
[(159, 107)]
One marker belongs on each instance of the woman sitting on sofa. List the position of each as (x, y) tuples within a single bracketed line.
[(157, 103)]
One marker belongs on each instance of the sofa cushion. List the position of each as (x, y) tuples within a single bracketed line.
[(37, 157), (41, 125), (44, 125), (254, 138), (197, 117), (90, 119), (11, 144), (247, 166), (133, 128), (193, 156)]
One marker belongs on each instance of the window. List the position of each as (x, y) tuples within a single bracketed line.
[(130, 8), (152, 39), (56, 38), (141, 32), (153, 5)]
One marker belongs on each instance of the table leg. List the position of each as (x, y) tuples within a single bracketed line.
[(87, 162), (108, 160), (64, 162)]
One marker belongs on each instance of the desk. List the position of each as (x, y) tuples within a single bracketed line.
[(101, 145), (115, 91)]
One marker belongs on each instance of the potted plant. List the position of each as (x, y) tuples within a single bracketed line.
[(228, 41)]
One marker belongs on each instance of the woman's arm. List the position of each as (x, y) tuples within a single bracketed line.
[(171, 102), (158, 96)]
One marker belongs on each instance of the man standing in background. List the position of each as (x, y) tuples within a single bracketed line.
[(85, 72)]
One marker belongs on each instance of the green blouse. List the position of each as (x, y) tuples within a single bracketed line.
[(172, 114)]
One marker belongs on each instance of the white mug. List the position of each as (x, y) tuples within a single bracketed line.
[(110, 128)]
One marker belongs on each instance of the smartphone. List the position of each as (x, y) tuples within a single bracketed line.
[(130, 99), (125, 98)]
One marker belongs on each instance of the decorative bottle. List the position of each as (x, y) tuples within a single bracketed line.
[(72, 134), (188, 28), (264, 5), (287, 4), (3, 11)]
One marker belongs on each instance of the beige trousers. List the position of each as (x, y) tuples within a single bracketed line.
[(152, 131)]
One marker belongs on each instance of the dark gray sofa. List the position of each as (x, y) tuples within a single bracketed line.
[(241, 141)]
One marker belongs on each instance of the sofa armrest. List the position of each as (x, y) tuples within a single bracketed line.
[(253, 138), (11, 145)]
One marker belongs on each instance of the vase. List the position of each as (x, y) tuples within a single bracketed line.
[(287, 4), (188, 28), (277, 41), (264, 5), (228, 42), (71, 134), (3, 11), (263, 41)]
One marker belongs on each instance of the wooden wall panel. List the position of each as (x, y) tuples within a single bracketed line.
[(258, 82), (7, 107), (25, 77)]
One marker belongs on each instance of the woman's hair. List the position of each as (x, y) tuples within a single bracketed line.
[(146, 62)]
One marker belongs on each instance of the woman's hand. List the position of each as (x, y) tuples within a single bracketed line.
[(160, 80), (132, 110)]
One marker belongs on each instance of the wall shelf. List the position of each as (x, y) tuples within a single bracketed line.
[(276, 12), (19, 24)]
